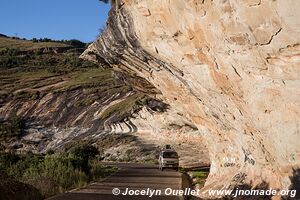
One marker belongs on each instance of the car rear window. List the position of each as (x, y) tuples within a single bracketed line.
[(170, 155)]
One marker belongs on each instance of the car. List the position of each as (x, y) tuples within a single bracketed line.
[(168, 158)]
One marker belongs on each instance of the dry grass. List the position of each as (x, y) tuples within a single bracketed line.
[(26, 45), (90, 77)]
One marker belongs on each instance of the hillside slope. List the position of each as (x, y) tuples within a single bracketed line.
[(51, 99), (48, 86)]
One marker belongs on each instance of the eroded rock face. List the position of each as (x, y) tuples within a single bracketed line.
[(231, 67)]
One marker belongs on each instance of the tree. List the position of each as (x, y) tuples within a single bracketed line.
[(81, 154), (75, 43)]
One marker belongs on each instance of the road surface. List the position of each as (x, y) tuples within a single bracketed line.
[(134, 177)]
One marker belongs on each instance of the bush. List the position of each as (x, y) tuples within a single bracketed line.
[(51, 174), (54, 173), (12, 127), (55, 170), (59, 169), (18, 168), (81, 155), (84, 151), (7, 160)]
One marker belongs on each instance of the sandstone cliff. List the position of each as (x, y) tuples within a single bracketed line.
[(230, 67)]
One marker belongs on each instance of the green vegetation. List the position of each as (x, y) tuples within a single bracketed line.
[(36, 176), (30, 69), (199, 177), (55, 172), (199, 174), (53, 62), (91, 78), (182, 170), (26, 45), (125, 107), (11, 127), (32, 55)]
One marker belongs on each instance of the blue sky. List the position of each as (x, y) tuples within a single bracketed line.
[(55, 19)]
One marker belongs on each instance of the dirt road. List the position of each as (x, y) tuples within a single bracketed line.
[(134, 177)]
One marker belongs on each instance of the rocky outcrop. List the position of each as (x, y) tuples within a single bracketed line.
[(230, 67), (51, 100), (56, 119)]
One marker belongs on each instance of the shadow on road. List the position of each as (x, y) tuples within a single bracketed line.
[(295, 180)]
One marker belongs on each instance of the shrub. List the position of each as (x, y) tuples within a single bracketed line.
[(81, 155), (59, 169), (12, 127), (26, 162), (54, 173), (7, 160), (85, 151)]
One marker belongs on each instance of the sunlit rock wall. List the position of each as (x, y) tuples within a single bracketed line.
[(231, 67)]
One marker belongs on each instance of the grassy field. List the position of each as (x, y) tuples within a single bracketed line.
[(26, 45), (28, 76), (32, 55), (23, 73)]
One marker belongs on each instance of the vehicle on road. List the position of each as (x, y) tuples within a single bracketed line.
[(168, 158)]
